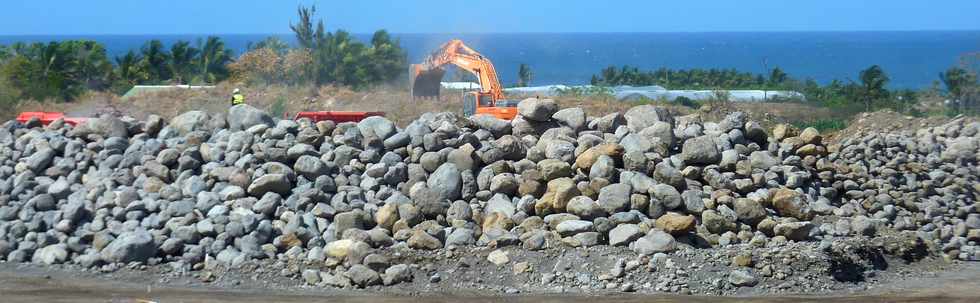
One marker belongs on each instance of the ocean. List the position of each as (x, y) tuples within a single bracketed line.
[(911, 59)]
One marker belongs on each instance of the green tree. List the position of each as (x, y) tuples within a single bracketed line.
[(213, 60), (56, 69), (388, 60), (873, 82), (339, 59), (130, 70), (524, 75), (182, 57), (306, 36), (156, 59), (960, 84), (777, 77)]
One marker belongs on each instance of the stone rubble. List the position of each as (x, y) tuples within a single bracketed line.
[(214, 189)]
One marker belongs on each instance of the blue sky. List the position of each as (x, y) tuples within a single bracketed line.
[(64, 17)]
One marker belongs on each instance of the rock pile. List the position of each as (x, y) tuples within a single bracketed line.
[(205, 188)]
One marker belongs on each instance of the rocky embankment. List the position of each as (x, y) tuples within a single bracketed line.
[(671, 204)]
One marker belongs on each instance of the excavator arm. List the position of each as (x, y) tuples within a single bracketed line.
[(425, 78)]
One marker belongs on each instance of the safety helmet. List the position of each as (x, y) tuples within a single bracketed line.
[(236, 91)]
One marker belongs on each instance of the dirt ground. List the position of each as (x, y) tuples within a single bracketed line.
[(34, 284)]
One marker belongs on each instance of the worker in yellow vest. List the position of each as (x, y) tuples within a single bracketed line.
[(237, 97)]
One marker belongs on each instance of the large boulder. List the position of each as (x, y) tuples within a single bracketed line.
[(624, 234), (656, 241), (537, 109), (791, 203), (643, 116), (133, 246), (797, 231), (40, 160), (700, 150), (615, 198), (244, 116), (277, 183), (585, 160), (675, 223), (309, 167), (446, 182), (51, 254), (572, 117), (494, 125), (104, 126), (749, 211), (377, 126), (560, 192), (194, 120)]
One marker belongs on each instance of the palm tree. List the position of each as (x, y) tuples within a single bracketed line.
[(957, 81), (181, 64), (873, 81), (213, 60), (130, 71), (156, 59), (86, 65)]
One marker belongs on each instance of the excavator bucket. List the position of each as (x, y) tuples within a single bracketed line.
[(425, 83)]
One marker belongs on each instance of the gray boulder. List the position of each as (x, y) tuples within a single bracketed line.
[(700, 150), (656, 241), (614, 198), (539, 110), (363, 276), (244, 116), (377, 126), (495, 126), (624, 234), (572, 117), (643, 116), (277, 183), (190, 121), (134, 246), (742, 278), (446, 182), (51, 254), (108, 127)]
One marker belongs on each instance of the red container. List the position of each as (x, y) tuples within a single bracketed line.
[(338, 117), (48, 117)]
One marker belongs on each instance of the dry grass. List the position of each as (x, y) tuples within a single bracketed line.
[(396, 102)]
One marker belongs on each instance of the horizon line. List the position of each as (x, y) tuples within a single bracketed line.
[(512, 33)]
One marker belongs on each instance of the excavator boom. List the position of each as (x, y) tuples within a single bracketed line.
[(425, 77)]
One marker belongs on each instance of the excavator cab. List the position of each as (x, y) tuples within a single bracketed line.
[(483, 103), (425, 80)]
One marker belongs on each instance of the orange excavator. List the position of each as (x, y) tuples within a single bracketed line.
[(425, 79)]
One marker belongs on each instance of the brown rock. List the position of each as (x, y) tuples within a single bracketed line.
[(422, 240), (560, 191), (497, 220), (783, 131), (811, 136), (589, 156), (675, 223), (790, 203), (387, 215), (811, 150), (743, 260)]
